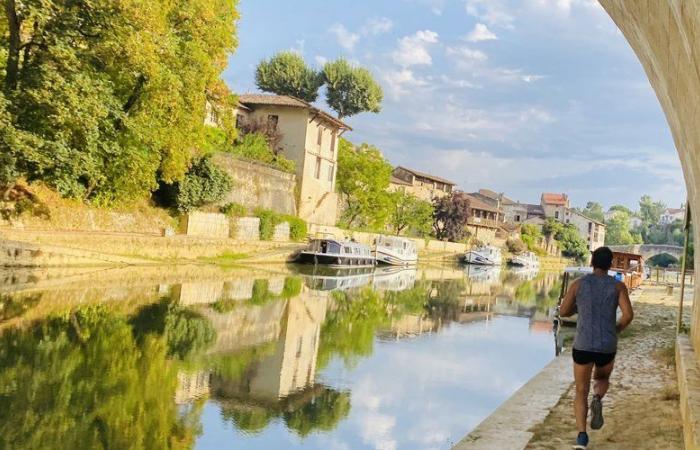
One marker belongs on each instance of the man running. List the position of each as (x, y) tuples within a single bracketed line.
[(595, 297)]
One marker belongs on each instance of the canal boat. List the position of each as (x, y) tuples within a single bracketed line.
[(526, 259), (394, 278), (486, 255), (395, 251), (336, 253), (325, 278), (484, 274)]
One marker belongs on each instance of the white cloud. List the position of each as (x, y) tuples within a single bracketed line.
[(493, 12), (466, 57), (377, 25), (402, 82), (565, 6), (321, 60), (414, 50), (481, 33), (345, 38)]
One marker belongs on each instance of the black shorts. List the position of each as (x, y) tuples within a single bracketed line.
[(599, 359)]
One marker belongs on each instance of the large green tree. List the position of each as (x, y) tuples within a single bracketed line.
[(618, 231), (650, 211), (103, 99), (363, 179), (450, 216), (410, 214), (286, 73), (594, 210), (350, 89)]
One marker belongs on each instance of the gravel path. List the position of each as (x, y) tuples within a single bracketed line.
[(641, 409)]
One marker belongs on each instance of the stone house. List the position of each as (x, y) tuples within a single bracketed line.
[(670, 215), (309, 137), (485, 218), (421, 185), (555, 205), (591, 230)]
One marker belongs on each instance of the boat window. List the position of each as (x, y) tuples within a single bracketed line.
[(324, 247), (347, 249), (333, 247)]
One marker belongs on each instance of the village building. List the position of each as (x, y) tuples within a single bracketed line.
[(591, 230), (419, 184), (555, 205), (485, 217), (309, 137), (513, 212), (670, 215)]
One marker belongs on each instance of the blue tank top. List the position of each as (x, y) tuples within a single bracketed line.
[(596, 302)]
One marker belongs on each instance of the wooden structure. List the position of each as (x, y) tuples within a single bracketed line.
[(630, 266)]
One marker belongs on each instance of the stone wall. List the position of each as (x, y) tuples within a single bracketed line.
[(246, 229), (258, 186), (213, 225)]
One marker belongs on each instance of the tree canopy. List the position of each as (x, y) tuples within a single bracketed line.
[(450, 216), (618, 231), (650, 211), (351, 90), (570, 241), (594, 210), (286, 73), (410, 214), (101, 100)]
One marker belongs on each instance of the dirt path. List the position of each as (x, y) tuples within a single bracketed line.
[(641, 408)]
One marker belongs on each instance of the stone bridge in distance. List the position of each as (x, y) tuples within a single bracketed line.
[(649, 250)]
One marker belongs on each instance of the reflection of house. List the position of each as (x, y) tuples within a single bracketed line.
[(670, 215), (309, 136), (422, 185)]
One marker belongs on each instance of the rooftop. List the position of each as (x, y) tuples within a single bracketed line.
[(554, 199), (495, 196), (477, 203), (288, 101), (427, 175), (394, 180), (534, 209)]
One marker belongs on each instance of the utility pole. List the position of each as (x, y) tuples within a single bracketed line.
[(684, 264)]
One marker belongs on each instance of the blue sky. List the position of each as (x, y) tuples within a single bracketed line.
[(519, 96)]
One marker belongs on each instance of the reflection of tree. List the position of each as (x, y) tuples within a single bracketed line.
[(84, 381), (14, 306), (445, 298), (322, 413), (409, 301), (251, 419)]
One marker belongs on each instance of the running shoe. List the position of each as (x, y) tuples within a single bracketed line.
[(596, 413), (581, 441)]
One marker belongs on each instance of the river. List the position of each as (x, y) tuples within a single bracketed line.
[(266, 358)]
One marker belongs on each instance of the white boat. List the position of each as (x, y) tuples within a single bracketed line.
[(334, 253), (394, 278), (484, 274), (526, 259), (486, 255), (395, 251)]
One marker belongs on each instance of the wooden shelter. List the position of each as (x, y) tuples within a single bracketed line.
[(630, 266)]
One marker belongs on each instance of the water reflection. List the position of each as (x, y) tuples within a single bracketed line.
[(180, 358)]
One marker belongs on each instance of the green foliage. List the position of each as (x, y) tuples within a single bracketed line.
[(298, 229), (255, 147), (650, 211), (215, 140), (515, 246), (623, 209), (351, 90), (594, 210), (203, 184), (83, 380), (187, 332), (104, 99), (410, 214), (234, 210), (363, 179), (450, 216), (268, 221), (570, 241), (618, 231), (530, 236), (286, 73), (322, 414)]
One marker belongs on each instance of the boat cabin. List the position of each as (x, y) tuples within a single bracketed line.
[(336, 253)]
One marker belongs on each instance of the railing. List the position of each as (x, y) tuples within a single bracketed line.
[(480, 222)]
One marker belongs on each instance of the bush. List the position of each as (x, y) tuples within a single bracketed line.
[(203, 184), (515, 246), (268, 221), (297, 228), (255, 146), (234, 210)]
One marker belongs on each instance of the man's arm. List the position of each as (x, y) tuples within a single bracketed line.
[(625, 304), (568, 305)]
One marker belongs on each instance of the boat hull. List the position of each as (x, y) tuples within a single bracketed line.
[(393, 260), (335, 260), (480, 260)]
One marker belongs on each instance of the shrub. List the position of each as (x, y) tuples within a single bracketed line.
[(515, 245), (234, 210), (297, 228), (203, 184), (268, 221), (255, 146)]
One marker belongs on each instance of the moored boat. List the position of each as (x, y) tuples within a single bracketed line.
[(486, 255), (395, 251), (335, 253), (526, 259)]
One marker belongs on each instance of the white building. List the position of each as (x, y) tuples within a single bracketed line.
[(670, 215)]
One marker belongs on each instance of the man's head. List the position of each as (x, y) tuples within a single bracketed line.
[(602, 258)]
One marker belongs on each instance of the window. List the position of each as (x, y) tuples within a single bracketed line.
[(317, 172), (272, 121), (239, 121), (517, 218), (334, 136), (330, 173), (319, 138), (556, 214), (590, 226)]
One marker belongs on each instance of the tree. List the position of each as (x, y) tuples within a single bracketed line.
[(623, 209), (204, 183), (530, 236), (102, 99), (618, 231), (594, 210), (650, 211), (570, 241), (351, 90), (362, 181), (286, 73), (450, 216), (410, 213)]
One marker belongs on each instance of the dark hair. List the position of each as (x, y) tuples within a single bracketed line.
[(602, 258)]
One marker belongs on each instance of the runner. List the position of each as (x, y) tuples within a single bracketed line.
[(595, 298)]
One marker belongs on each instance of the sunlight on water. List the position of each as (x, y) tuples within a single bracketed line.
[(272, 358)]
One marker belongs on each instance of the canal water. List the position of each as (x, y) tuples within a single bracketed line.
[(274, 358)]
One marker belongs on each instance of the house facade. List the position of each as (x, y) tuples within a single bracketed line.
[(591, 230), (309, 137), (555, 205), (422, 185), (670, 215)]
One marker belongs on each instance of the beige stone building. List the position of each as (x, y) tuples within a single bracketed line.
[(310, 138), (422, 185), (591, 230), (555, 205)]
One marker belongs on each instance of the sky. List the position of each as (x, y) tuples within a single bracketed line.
[(518, 96)]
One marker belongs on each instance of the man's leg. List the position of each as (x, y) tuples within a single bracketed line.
[(601, 377), (582, 378)]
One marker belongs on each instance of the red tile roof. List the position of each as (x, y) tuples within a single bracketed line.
[(249, 100), (554, 199)]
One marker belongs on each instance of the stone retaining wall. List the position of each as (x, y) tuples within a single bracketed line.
[(689, 388), (246, 229), (213, 225)]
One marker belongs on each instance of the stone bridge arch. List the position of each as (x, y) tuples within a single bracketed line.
[(649, 250)]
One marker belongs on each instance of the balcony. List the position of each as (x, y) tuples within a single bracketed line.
[(481, 222)]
